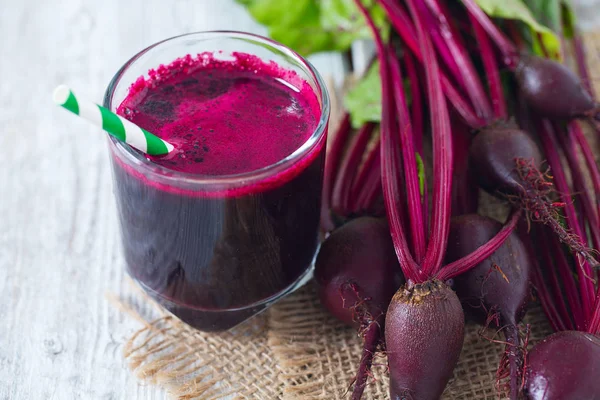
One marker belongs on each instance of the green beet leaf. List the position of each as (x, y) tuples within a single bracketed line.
[(569, 21), (557, 15), (518, 10), (421, 172), (363, 101), (313, 26)]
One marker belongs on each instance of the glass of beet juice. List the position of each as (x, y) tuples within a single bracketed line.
[(228, 222)]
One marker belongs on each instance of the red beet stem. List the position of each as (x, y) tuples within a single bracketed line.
[(372, 336), (584, 74), (368, 178), (590, 160), (331, 166), (515, 359), (442, 153), (370, 187), (411, 174), (508, 49), (466, 263), (464, 189), (461, 105), (540, 287), (403, 26), (442, 50), (417, 121), (594, 327), (551, 146), (547, 304), (588, 212), (548, 261), (390, 158), (567, 279), (416, 111), (491, 69), (468, 74), (347, 170)]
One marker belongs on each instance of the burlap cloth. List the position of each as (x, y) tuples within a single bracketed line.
[(296, 350)]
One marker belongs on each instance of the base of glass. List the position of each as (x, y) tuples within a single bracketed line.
[(223, 319)]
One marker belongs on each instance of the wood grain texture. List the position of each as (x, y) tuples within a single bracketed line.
[(59, 243)]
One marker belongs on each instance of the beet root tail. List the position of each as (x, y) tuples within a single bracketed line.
[(371, 340), (515, 360), (535, 199)]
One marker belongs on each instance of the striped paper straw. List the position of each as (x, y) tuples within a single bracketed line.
[(112, 123)]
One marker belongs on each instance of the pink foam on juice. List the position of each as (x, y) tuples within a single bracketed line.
[(225, 117)]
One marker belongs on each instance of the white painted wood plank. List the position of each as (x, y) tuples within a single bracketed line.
[(59, 247)]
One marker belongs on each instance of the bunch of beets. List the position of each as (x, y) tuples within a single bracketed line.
[(406, 254)]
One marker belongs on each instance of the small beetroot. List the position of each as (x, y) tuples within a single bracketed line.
[(424, 335), (494, 154), (508, 164), (357, 262), (501, 283), (552, 90), (497, 290), (564, 366), (357, 274)]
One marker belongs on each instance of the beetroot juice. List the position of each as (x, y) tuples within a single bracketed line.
[(228, 222)]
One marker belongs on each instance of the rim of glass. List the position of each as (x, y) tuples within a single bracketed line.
[(138, 159)]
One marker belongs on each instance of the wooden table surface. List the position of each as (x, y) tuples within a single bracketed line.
[(59, 242)]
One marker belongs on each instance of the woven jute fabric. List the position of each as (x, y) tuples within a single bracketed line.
[(189, 364), (318, 356), (296, 350)]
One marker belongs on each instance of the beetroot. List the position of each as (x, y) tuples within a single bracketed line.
[(508, 163), (357, 262), (550, 88), (494, 152), (553, 90), (498, 284), (424, 335), (497, 290), (564, 366), (357, 274)]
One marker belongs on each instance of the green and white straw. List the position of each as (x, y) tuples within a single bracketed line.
[(112, 123)]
